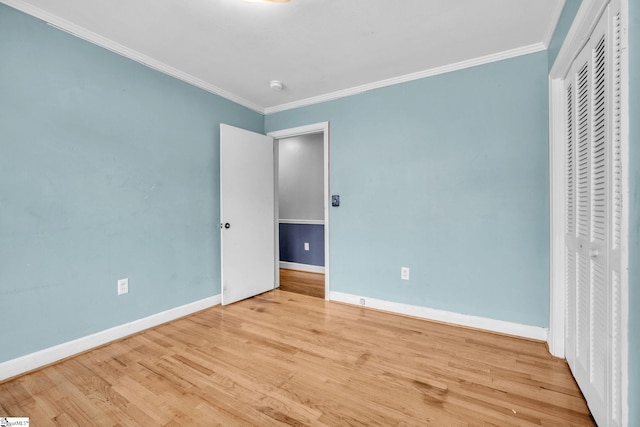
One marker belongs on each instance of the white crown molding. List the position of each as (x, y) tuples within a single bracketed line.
[(525, 50), (85, 34), (29, 362), (97, 39), (555, 17), (500, 326)]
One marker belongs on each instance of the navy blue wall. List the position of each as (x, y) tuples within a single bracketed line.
[(292, 239)]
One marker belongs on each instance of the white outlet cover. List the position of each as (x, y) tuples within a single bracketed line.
[(123, 286), (404, 273), (306, 246)]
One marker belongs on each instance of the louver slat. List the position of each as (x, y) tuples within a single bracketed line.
[(570, 289), (598, 328), (570, 177), (582, 311), (616, 371), (617, 138), (598, 149), (583, 152)]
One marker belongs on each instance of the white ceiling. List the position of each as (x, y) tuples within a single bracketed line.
[(319, 49)]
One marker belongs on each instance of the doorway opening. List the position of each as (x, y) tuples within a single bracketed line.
[(302, 200)]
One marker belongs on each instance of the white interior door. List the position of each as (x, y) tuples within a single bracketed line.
[(247, 215), (593, 184)]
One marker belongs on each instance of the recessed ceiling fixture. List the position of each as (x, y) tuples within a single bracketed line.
[(276, 85)]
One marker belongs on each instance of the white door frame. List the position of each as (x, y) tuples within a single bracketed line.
[(582, 27), (297, 131)]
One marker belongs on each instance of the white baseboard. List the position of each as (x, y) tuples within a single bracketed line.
[(517, 329), (302, 267), (29, 362)]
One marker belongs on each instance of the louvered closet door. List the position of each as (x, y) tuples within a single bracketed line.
[(578, 215), (593, 206)]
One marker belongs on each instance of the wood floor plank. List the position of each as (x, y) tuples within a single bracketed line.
[(302, 282), (284, 358)]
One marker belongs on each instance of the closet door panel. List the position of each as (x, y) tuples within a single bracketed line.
[(593, 219)]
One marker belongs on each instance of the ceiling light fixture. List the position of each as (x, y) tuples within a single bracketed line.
[(276, 85)]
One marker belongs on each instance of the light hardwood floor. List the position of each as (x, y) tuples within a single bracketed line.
[(302, 282), (287, 359)]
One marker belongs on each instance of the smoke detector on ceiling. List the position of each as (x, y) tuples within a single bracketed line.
[(276, 85)]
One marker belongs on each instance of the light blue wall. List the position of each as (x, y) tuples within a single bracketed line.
[(564, 23), (634, 218), (108, 170), (449, 176)]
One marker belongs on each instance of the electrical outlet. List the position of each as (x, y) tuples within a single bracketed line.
[(306, 246), (404, 273), (123, 286), (362, 302)]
